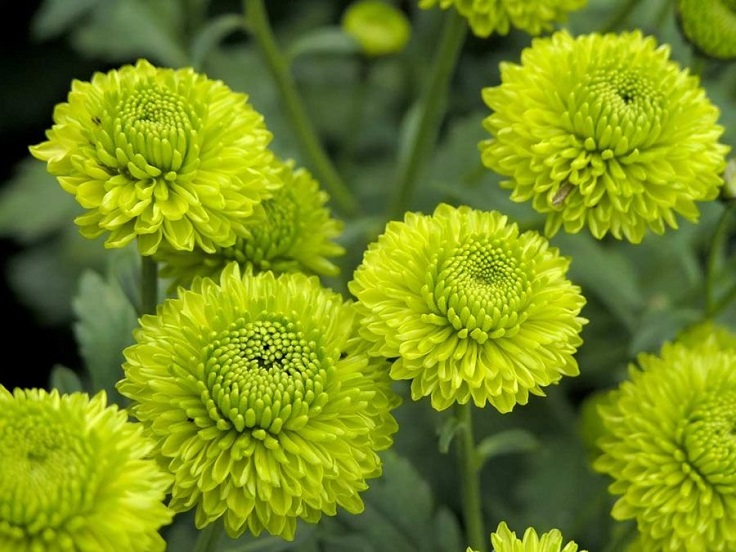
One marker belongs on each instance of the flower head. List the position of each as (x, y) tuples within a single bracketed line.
[(670, 449), (75, 474), (498, 16), (291, 232), (379, 28), (469, 308), (604, 131), (159, 155), (708, 332), (505, 540), (262, 399), (709, 26)]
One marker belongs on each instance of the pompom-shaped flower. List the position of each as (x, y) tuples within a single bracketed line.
[(75, 474), (380, 28), (467, 307), (604, 131), (709, 26), (671, 450), (505, 540), (498, 16), (158, 154), (707, 332), (264, 402), (291, 232)]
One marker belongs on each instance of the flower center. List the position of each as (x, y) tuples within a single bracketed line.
[(47, 471), (482, 289), (709, 437), (264, 374)]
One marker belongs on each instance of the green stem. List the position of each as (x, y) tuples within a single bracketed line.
[(149, 285), (209, 537), (620, 16), (433, 103), (470, 479), (716, 246), (258, 23)]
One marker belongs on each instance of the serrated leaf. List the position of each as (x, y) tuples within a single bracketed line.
[(506, 442), (65, 380), (105, 322)]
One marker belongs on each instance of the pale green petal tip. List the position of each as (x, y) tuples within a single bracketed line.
[(500, 16), (668, 446), (468, 308), (709, 26), (380, 28), (262, 399), (634, 145), (505, 540), (91, 471), (160, 155)]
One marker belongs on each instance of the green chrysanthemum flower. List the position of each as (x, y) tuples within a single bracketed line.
[(160, 155), (707, 331), (263, 400), (604, 131), (505, 540), (709, 26), (498, 16), (670, 448), (75, 475), (380, 28), (291, 232), (469, 308)]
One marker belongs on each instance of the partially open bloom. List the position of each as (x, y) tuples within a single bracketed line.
[(505, 540), (75, 474), (604, 131), (499, 16), (469, 308), (379, 27), (670, 448), (291, 232), (262, 400), (158, 154), (709, 26)]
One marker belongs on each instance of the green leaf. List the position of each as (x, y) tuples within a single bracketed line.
[(56, 17), (211, 34), (507, 442), (65, 380), (448, 430), (324, 40), (105, 322)]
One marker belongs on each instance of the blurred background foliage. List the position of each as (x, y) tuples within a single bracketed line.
[(68, 301)]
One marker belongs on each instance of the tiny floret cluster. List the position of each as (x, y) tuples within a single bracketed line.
[(76, 475), (262, 400), (293, 231), (670, 448), (159, 155), (467, 307), (604, 132), (499, 16), (505, 540)]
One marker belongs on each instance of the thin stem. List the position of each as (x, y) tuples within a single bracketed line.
[(433, 103), (209, 537), (149, 285), (716, 246), (470, 479), (258, 23)]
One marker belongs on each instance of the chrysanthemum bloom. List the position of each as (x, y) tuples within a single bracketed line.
[(380, 28), (75, 474), (498, 16), (604, 131), (158, 154), (670, 448), (291, 232), (707, 331), (709, 26), (262, 399), (505, 540), (469, 308)]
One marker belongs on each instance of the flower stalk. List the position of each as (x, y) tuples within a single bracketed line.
[(712, 305), (149, 285), (470, 478), (257, 22), (209, 537)]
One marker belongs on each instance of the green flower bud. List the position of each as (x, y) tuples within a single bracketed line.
[(380, 28)]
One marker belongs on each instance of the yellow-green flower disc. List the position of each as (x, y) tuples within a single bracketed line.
[(160, 155), (505, 540), (76, 476), (291, 232), (262, 399), (469, 308), (499, 16), (380, 28), (604, 131), (670, 448), (709, 26)]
